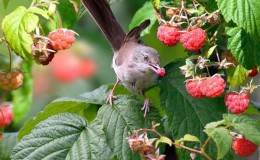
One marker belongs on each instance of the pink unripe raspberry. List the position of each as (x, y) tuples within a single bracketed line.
[(213, 86), (194, 39), (237, 102), (193, 87), (168, 35)]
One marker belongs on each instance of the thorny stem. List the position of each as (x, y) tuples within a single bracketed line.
[(10, 55)]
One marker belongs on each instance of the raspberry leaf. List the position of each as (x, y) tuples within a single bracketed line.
[(63, 136), (58, 106), (39, 11), (248, 127), (243, 12), (222, 138), (163, 139), (17, 26), (125, 116), (6, 145), (187, 138), (244, 47), (236, 75), (145, 12)]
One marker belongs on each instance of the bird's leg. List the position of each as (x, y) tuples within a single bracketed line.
[(111, 94), (146, 106)]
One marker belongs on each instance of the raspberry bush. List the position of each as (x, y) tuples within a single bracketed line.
[(201, 106)]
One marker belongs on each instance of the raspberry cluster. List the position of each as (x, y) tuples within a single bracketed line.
[(192, 40), (237, 102), (243, 147), (207, 87), (11, 80)]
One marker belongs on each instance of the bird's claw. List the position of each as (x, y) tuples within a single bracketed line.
[(146, 106), (110, 98)]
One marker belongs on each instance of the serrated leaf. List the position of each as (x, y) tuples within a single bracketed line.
[(243, 47), (212, 125), (156, 4), (58, 106), (6, 145), (22, 98), (236, 75), (245, 125), (145, 12), (187, 115), (39, 11), (163, 139), (63, 136), (16, 27), (244, 13), (222, 138), (123, 117), (188, 138)]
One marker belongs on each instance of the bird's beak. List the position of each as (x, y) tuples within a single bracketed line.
[(157, 69)]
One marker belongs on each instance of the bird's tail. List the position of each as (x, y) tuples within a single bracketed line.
[(104, 17)]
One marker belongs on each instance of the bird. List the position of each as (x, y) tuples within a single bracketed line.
[(137, 66)]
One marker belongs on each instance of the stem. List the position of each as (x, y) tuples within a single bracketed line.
[(200, 5), (59, 18), (205, 143), (10, 55)]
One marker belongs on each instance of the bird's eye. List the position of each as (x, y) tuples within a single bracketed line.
[(146, 57)]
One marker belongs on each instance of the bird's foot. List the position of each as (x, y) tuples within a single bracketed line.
[(110, 98), (146, 106)]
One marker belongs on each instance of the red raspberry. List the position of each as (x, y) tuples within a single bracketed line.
[(168, 35), (6, 115), (62, 38), (213, 86), (12, 80), (253, 72), (193, 87), (193, 40), (243, 147), (237, 102)]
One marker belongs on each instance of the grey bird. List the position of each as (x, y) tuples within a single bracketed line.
[(136, 65)]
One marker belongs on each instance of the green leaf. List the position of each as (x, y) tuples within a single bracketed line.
[(210, 51), (156, 4), (188, 138), (145, 12), (22, 98), (17, 26), (213, 125), (39, 11), (163, 139), (58, 106), (244, 48), (236, 75), (123, 117), (6, 145), (63, 136), (185, 114), (245, 125), (222, 138), (67, 13), (244, 13)]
